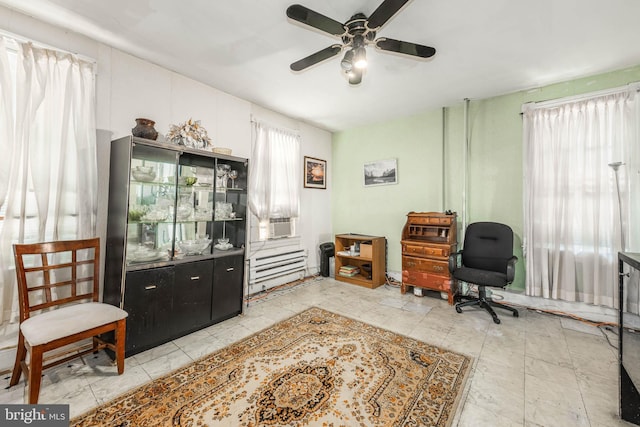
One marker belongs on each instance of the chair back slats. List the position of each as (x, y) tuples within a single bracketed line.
[(68, 272), (59, 301)]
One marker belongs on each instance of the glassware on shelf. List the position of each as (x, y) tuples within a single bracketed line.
[(205, 177), (156, 214), (183, 211), (223, 244), (195, 246), (224, 210), (144, 173), (203, 214), (233, 174), (143, 253), (222, 173), (187, 180)]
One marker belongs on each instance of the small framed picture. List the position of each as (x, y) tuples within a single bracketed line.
[(315, 173), (381, 172)]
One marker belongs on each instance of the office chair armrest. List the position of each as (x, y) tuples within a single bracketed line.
[(454, 261), (511, 268)]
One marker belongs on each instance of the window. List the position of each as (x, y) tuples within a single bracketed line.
[(275, 180), (48, 170), (578, 206)]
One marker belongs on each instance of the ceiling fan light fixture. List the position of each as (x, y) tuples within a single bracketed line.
[(360, 58), (347, 61), (355, 77)]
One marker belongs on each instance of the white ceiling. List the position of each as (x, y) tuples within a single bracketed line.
[(244, 47)]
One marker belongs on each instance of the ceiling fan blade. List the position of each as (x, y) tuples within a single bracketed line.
[(316, 20), (384, 12), (405, 48), (317, 57)]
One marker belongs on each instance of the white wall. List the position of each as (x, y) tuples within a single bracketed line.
[(128, 87)]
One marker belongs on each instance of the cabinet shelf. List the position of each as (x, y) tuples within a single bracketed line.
[(354, 257), (228, 189)]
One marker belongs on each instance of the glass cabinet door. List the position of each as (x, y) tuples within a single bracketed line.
[(230, 204), (183, 205), (151, 205), (194, 206)]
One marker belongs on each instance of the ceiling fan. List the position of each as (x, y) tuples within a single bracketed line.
[(356, 34)]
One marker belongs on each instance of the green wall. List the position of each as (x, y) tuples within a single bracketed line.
[(430, 178), (416, 143)]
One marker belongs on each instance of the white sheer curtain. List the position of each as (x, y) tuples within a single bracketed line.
[(575, 220), (275, 173), (49, 192)]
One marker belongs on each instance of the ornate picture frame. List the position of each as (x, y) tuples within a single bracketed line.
[(315, 173)]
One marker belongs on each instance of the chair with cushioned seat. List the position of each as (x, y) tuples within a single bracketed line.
[(58, 286), (486, 260)]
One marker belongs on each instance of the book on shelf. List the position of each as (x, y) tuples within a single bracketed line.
[(355, 273), (349, 271)]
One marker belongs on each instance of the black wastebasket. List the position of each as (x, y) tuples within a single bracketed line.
[(327, 250)]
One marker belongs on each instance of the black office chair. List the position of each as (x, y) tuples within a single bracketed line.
[(485, 260)]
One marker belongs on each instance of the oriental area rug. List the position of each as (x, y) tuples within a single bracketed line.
[(316, 368)]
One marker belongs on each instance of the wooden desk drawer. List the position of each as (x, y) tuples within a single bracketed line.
[(424, 250), (426, 280), (440, 268), (430, 220)]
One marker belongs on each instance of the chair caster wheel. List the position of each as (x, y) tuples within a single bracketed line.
[(458, 309), (516, 314), (496, 320)]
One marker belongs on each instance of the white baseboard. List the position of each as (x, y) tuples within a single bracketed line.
[(594, 313)]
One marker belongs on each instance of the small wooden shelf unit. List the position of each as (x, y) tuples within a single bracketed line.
[(370, 262), (428, 238)]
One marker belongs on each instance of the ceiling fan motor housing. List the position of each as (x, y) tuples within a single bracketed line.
[(357, 29)]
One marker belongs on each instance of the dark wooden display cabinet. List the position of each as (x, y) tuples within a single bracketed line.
[(176, 235), (427, 240)]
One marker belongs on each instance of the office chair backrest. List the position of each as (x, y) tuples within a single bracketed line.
[(57, 273), (487, 246)]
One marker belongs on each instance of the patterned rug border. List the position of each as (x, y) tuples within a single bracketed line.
[(456, 407)]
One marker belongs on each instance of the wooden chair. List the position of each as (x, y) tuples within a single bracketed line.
[(58, 286)]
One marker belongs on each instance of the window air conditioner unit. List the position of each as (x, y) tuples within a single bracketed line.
[(280, 227)]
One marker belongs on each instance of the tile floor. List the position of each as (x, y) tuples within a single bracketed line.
[(535, 370)]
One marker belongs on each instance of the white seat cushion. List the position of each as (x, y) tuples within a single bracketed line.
[(68, 320)]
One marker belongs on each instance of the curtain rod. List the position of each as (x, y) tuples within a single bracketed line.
[(22, 39), (635, 86), (274, 125)]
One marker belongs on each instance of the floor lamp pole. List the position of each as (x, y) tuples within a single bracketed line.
[(615, 166)]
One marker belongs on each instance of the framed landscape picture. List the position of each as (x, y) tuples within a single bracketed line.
[(315, 173), (381, 172)]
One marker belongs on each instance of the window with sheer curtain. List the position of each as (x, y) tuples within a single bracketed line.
[(582, 179), (48, 169), (275, 176)]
